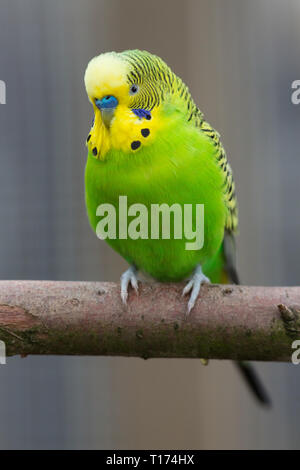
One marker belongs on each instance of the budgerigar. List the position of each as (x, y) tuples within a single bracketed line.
[(150, 143)]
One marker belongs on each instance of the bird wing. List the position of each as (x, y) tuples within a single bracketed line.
[(230, 201)]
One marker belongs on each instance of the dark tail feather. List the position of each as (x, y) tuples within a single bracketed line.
[(245, 368), (254, 383)]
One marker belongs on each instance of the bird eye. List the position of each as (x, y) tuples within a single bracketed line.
[(133, 89)]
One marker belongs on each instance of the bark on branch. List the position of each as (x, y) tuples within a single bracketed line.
[(88, 318)]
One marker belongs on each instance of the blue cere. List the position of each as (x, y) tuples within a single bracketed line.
[(108, 101)]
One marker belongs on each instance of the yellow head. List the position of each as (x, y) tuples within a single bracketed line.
[(106, 75), (127, 91)]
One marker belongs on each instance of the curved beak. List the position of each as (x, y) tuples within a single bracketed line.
[(107, 106)]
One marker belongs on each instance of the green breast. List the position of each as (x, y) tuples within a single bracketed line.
[(179, 168)]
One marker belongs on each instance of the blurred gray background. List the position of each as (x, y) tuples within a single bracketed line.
[(239, 60)]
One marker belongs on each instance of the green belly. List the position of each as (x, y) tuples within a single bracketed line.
[(182, 174)]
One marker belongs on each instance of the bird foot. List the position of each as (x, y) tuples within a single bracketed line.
[(128, 277), (193, 286)]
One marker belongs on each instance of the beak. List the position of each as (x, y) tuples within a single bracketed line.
[(107, 106)]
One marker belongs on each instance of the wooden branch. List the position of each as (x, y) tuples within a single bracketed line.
[(88, 318)]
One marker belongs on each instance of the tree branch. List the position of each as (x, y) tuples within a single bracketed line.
[(88, 318)]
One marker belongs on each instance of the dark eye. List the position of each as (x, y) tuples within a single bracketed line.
[(133, 89)]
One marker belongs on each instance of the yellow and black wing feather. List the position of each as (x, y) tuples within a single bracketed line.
[(230, 200)]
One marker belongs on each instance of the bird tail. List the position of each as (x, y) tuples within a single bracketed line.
[(223, 270), (254, 383)]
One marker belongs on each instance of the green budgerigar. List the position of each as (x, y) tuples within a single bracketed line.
[(150, 142)]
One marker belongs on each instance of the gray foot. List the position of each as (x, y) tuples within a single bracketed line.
[(128, 277), (194, 286)]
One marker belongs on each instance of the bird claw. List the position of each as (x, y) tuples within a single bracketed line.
[(194, 286), (128, 277)]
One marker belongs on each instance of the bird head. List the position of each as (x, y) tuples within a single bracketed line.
[(128, 91), (106, 85)]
